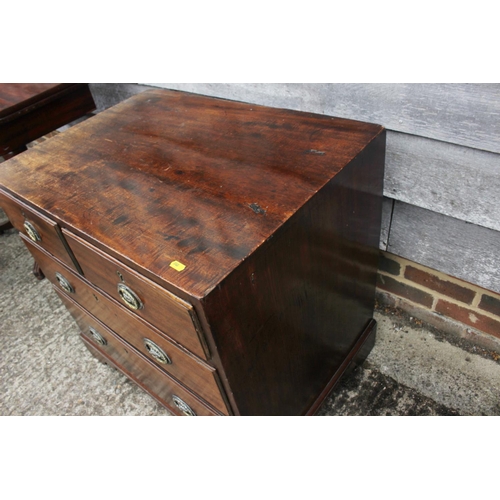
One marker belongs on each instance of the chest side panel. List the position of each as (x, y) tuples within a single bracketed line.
[(285, 320)]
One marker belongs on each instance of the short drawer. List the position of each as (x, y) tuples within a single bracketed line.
[(37, 228), (200, 378), (158, 306), (91, 307), (157, 383)]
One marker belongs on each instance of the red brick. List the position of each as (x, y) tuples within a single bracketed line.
[(469, 317), (408, 292), (447, 288), (490, 304)]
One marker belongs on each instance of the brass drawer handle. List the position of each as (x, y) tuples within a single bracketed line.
[(183, 407), (129, 297), (157, 352), (97, 336), (65, 284), (31, 231)]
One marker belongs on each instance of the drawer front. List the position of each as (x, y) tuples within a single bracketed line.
[(148, 300), (147, 376), (195, 374), (199, 378), (38, 228)]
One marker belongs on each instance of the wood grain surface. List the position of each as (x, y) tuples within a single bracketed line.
[(205, 189), (161, 308), (287, 318)]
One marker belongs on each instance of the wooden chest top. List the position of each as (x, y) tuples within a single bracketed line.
[(168, 176), (14, 97)]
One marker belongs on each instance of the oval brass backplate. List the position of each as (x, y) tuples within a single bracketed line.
[(157, 352), (65, 284), (97, 336), (130, 298), (183, 406), (31, 231)]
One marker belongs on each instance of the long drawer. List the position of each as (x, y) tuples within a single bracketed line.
[(38, 228), (200, 378), (157, 306), (91, 308), (175, 397)]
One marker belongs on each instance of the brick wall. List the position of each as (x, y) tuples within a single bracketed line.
[(428, 293)]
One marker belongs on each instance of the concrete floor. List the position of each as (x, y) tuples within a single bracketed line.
[(45, 369)]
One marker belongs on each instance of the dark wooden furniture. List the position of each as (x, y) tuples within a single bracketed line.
[(30, 110), (222, 255)]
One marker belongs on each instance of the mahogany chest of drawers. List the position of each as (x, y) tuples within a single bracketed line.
[(222, 255)]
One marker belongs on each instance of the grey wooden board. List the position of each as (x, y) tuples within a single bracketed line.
[(465, 114), (386, 222), (455, 247), (452, 180), (108, 94)]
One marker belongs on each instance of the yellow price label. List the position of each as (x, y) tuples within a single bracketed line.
[(178, 266)]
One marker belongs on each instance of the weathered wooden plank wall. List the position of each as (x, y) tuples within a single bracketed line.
[(452, 180), (442, 169), (461, 249)]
